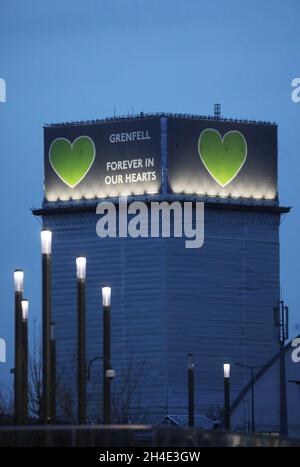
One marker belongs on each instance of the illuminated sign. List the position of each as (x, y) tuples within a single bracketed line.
[(222, 158), (214, 158), (102, 159)]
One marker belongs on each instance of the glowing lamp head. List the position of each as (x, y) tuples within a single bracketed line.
[(106, 295), (18, 280), (46, 242), (226, 370), (24, 304), (81, 267)]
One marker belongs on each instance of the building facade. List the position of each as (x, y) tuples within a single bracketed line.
[(215, 302)]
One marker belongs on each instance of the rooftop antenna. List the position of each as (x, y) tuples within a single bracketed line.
[(115, 110), (132, 110), (217, 111)]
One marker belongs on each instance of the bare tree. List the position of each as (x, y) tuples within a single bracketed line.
[(35, 386), (215, 413), (66, 389), (65, 386), (127, 406), (126, 398), (6, 406)]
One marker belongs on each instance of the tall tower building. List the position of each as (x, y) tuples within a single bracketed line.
[(214, 301)]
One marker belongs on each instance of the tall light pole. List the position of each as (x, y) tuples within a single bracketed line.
[(53, 369), (191, 413), (106, 300), (226, 367), (46, 244), (24, 304), (18, 283), (81, 363)]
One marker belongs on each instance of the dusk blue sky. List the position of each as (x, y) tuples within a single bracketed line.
[(75, 59)]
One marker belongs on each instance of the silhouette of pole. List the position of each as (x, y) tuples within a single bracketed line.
[(18, 283), (106, 299), (53, 370), (227, 396), (191, 390), (81, 358), (24, 405), (46, 243), (281, 322)]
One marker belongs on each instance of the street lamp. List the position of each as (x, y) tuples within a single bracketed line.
[(24, 305), (18, 287), (106, 300), (46, 245), (53, 369), (226, 367), (191, 390), (81, 364)]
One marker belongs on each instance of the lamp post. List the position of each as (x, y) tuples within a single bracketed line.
[(24, 305), (227, 396), (18, 283), (81, 364), (106, 300), (53, 369), (191, 390), (46, 244)]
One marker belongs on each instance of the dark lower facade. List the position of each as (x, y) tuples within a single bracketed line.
[(215, 302)]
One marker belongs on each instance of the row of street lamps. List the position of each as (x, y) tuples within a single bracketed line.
[(21, 350), (49, 348), (48, 343)]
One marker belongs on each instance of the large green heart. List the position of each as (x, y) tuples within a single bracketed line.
[(222, 157), (72, 161)]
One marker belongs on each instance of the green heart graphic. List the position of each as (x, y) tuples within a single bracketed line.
[(222, 157), (72, 161)]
